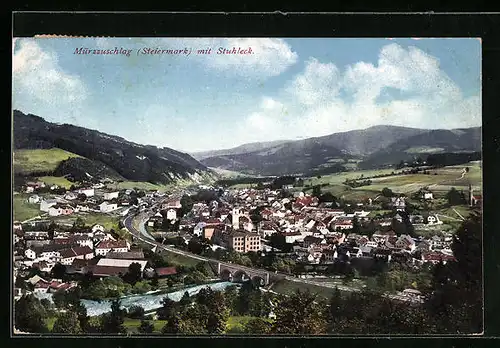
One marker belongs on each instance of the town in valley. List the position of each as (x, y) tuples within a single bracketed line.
[(277, 188)]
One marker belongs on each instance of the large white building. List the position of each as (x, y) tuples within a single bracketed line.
[(110, 195)]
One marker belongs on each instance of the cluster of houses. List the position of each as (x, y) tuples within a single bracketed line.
[(96, 252), (95, 198), (43, 251), (319, 232)]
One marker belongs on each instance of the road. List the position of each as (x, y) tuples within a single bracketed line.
[(143, 235)]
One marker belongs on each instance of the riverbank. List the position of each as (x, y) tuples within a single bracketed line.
[(150, 302)]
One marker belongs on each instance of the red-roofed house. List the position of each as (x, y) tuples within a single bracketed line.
[(68, 255), (165, 271), (437, 257), (476, 200), (105, 246)]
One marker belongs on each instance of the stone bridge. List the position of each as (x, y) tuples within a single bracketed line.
[(237, 273)]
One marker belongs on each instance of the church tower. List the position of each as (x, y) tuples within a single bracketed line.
[(235, 215)]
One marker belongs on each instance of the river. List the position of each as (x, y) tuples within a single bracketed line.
[(149, 301)]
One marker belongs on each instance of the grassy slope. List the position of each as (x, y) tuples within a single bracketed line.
[(24, 210), (28, 161), (288, 287), (446, 178), (180, 259), (56, 180), (138, 185)]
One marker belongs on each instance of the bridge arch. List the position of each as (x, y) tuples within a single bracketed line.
[(226, 275), (258, 281), (240, 276)]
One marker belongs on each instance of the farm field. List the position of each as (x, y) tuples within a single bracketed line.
[(139, 185), (24, 210), (39, 160), (443, 181), (178, 259), (55, 180), (339, 178), (90, 219)]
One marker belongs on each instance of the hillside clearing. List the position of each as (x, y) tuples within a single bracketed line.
[(39, 160), (56, 180), (23, 210), (137, 185)]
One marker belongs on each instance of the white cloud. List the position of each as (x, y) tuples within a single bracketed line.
[(39, 78), (323, 100)]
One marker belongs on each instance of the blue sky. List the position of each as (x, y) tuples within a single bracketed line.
[(286, 89)]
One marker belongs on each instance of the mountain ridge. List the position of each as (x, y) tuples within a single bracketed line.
[(376, 146), (130, 160)]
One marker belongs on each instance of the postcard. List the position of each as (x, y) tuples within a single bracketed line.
[(247, 186)]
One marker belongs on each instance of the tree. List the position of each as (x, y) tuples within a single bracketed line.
[(387, 192), (456, 294), (167, 310), (356, 228), (173, 325), (335, 310), (185, 300), (454, 197), (82, 197), (301, 313), (29, 315), (134, 273), (112, 322), (58, 271), (257, 326), (327, 197), (79, 223), (51, 229), (213, 304), (316, 191), (83, 318), (231, 298), (67, 323), (146, 327), (136, 312)]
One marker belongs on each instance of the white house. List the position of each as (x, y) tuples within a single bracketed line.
[(55, 211), (105, 207), (34, 199), (97, 228), (428, 195), (70, 196), (433, 220), (83, 253), (293, 237), (105, 246), (89, 192), (110, 195), (406, 242), (198, 229), (79, 208), (30, 254), (52, 256), (171, 214), (46, 204), (84, 241)]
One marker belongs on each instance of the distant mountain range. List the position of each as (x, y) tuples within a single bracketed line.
[(238, 150), (373, 147), (104, 154)]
